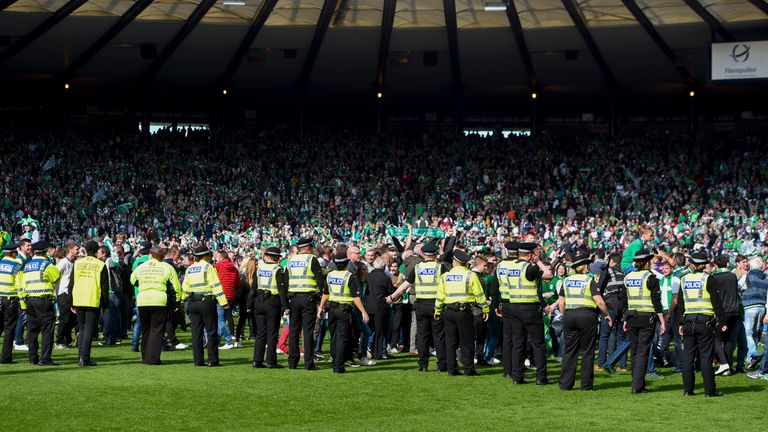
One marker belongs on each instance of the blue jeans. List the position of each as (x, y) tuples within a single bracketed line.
[(20, 326), (365, 335), (621, 351), (323, 324), (753, 321), (493, 326), (112, 330), (136, 330), (610, 337), (739, 340), (223, 328), (764, 365)]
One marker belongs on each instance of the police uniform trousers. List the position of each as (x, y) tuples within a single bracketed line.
[(698, 338), (429, 333), (342, 341), (526, 321), (8, 320), (641, 331), (459, 333), (506, 338), (67, 320), (88, 328), (41, 317), (266, 317), (580, 333), (303, 316), (204, 319), (401, 325), (152, 319)]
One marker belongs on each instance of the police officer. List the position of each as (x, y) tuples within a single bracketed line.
[(642, 312), (37, 297), (525, 311), (702, 314), (152, 278), (89, 294), (202, 288), (305, 285), (500, 287), (341, 296), (268, 300), (579, 301), (458, 292), (10, 283)]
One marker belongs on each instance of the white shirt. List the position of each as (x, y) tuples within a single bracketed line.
[(65, 267)]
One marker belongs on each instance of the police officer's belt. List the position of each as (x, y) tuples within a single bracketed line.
[(336, 305), (459, 307), (697, 318), (43, 297), (200, 297)]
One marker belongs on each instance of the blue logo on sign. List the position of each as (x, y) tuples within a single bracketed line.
[(32, 266), (454, 278), (575, 284), (265, 273), (336, 281), (634, 283), (428, 272), (297, 264), (193, 270), (693, 285), (740, 53), (514, 273)]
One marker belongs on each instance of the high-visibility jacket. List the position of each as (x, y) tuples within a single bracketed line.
[(86, 290), (10, 277), (153, 277), (267, 277), (695, 295), (507, 274), (578, 293), (427, 278), (638, 294), (521, 290), (301, 278), (201, 278), (460, 285), (338, 286), (39, 279)]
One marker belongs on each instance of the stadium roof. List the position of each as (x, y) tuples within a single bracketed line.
[(414, 46)]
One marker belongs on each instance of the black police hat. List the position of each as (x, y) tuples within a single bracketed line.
[(40, 246), (201, 250), (461, 256), (526, 247), (512, 246), (581, 260), (304, 242), (145, 247), (11, 247), (273, 251), (642, 255), (340, 258), (91, 247), (699, 258), (429, 249)]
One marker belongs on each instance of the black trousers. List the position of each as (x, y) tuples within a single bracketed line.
[(41, 317), (202, 315), (429, 333), (401, 325), (459, 333), (245, 317), (722, 344), (153, 320), (641, 332), (526, 321), (342, 341), (506, 338), (698, 339), (378, 324), (266, 316), (480, 332), (170, 324), (88, 326), (302, 319), (67, 320), (10, 316), (580, 332)]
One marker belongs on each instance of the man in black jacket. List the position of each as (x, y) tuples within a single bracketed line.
[(727, 286), (380, 287)]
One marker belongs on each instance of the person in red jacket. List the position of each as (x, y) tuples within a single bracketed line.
[(229, 277)]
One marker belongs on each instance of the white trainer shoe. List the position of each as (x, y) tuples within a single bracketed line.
[(181, 346), (21, 347), (367, 362), (238, 345), (226, 346)]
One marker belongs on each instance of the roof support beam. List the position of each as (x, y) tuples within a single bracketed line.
[(641, 18), (245, 44), (581, 26), (449, 8), (710, 19), (49, 23), (340, 16), (522, 47), (760, 4), (113, 31), (323, 22), (197, 15), (387, 21), (5, 3)]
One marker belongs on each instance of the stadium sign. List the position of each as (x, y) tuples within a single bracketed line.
[(735, 61)]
